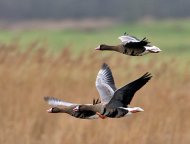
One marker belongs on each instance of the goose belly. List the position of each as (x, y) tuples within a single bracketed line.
[(115, 113), (85, 115), (133, 51)]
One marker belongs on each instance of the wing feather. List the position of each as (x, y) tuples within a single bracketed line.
[(105, 84), (56, 102), (123, 96), (127, 38)]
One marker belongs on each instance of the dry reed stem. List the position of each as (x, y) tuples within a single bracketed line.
[(26, 77)]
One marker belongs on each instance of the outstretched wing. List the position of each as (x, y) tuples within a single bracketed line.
[(56, 102), (105, 84), (133, 42), (127, 38), (123, 96)]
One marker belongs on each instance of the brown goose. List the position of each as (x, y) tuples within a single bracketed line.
[(105, 86), (118, 105), (67, 107), (131, 46)]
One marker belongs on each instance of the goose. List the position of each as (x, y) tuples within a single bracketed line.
[(132, 46), (67, 107), (105, 85), (118, 106)]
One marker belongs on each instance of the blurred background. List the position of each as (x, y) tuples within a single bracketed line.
[(47, 49)]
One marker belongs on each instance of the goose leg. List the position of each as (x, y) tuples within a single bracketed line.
[(101, 116)]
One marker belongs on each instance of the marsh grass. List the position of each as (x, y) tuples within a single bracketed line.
[(172, 36), (27, 76)]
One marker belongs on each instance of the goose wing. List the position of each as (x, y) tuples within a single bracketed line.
[(105, 84), (123, 96), (57, 102), (127, 38), (133, 42)]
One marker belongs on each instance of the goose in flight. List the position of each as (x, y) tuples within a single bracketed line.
[(132, 46), (60, 106), (105, 85), (118, 106)]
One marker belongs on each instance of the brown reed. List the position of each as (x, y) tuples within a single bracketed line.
[(27, 76)]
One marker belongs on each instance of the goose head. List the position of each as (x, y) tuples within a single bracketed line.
[(103, 47)]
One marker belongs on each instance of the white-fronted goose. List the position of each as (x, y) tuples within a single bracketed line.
[(131, 46), (118, 105), (105, 86), (60, 106)]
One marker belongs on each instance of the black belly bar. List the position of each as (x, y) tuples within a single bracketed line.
[(115, 113)]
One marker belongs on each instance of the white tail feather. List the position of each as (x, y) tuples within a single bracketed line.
[(133, 108), (152, 49)]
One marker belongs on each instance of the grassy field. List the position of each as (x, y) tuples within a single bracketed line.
[(27, 76), (172, 36)]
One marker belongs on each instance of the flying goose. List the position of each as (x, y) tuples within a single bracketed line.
[(67, 107), (132, 46), (105, 85), (118, 105)]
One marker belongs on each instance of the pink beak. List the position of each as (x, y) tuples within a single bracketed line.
[(98, 48), (49, 110)]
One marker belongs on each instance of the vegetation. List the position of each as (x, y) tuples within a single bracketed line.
[(26, 77), (29, 71), (171, 36)]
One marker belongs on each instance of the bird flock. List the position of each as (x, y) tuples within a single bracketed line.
[(114, 102)]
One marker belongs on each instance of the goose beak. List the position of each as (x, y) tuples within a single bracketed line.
[(49, 110), (98, 48)]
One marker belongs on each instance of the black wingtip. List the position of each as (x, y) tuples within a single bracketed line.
[(147, 76), (145, 40), (104, 66)]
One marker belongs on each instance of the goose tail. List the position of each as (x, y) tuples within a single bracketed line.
[(152, 49)]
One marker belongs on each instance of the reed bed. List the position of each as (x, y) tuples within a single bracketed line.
[(27, 76)]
